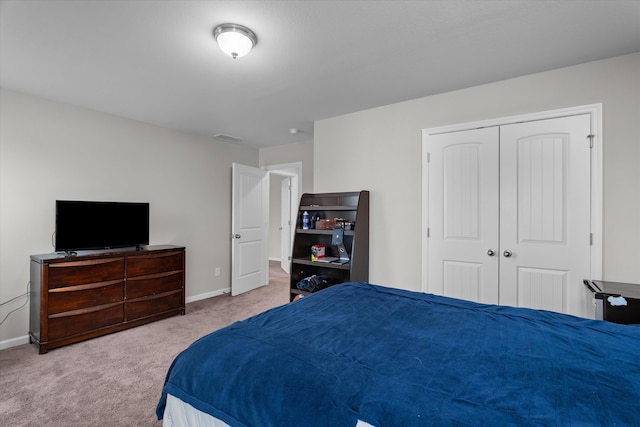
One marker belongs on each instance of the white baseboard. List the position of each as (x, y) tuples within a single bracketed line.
[(14, 342), (25, 339), (208, 295)]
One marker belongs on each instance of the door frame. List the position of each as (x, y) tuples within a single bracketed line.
[(595, 112), (286, 200), (294, 171)]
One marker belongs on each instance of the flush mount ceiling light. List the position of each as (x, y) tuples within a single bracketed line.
[(235, 40)]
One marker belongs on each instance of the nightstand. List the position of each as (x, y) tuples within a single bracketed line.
[(616, 302)]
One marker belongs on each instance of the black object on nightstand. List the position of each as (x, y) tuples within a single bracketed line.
[(616, 302)]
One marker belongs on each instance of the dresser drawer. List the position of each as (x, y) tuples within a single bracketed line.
[(155, 304), (85, 272), (84, 296), (142, 265), (75, 322), (153, 284)]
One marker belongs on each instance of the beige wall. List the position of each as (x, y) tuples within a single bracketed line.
[(292, 153), (380, 150), (52, 151)]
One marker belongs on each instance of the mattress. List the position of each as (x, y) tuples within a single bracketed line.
[(180, 414), (390, 357)]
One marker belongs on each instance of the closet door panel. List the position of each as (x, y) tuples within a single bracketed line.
[(542, 289), (544, 213), (462, 279), (541, 189), (463, 215)]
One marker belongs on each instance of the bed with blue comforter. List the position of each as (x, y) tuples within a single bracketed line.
[(391, 357)]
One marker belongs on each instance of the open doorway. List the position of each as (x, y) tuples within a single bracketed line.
[(284, 194)]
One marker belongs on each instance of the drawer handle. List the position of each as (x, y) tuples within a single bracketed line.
[(85, 263), (87, 286), (84, 310), (155, 296), (155, 275)]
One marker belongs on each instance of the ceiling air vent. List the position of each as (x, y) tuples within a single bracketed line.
[(228, 138)]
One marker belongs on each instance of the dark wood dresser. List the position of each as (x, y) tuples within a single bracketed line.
[(74, 298)]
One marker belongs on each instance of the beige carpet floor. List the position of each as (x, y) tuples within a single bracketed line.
[(116, 380)]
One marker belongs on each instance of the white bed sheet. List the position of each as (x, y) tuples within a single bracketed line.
[(180, 414)]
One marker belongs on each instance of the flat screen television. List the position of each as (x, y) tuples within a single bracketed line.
[(84, 225)]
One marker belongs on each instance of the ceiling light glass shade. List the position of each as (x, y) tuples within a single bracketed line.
[(235, 40)]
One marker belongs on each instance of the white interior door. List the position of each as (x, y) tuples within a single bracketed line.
[(285, 225), (249, 227), (545, 213), (509, 214), (463, 215)]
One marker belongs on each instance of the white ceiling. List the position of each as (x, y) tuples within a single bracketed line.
[(156, 60)]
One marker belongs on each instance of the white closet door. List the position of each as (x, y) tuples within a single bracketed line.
[(463, 215), (545, 213)]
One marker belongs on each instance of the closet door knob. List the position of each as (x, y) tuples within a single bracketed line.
[(491, 252), (507, 253)]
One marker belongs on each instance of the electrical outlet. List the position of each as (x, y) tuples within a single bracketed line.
[(217, 273)]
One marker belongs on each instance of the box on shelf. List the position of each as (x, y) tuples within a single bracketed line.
[(317, 252), (325, 224)]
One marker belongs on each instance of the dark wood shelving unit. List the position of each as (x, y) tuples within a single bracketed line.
[(352, 207)]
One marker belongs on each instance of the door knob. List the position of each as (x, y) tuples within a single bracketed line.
[(235, 236), (491, 252), (507, 253)]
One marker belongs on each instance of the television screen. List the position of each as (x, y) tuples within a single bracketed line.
[(100, 225)]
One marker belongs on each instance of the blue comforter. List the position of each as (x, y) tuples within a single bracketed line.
[(397, 358)]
